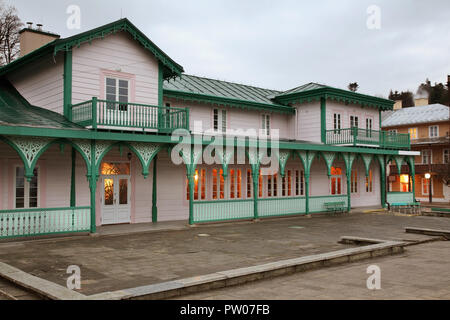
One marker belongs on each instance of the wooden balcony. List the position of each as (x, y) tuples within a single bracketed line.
[(370, 138), (126, 116)]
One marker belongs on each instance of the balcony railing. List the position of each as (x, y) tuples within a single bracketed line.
[(103, 114), (363, 137)]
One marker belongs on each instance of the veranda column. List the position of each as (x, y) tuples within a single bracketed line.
[(413, 177), (191, 177), (307, 168), (93, 187), (154, 192), (72, 179), (383, 181), (348, 173), (255, 177)]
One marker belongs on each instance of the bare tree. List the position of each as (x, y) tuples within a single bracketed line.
[(353, 86), (10, 26)]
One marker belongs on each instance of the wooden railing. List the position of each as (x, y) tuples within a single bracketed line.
[(129, 116), (37, 222), (358, 137)]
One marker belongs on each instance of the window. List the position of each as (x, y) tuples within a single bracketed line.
[(336, 181), (199, 185), (393, 131), (446, 156), (220, 120), (299, 183), (426, 157), (26, 192), (218, 184), (337, 123), (354, 182), (272, 185), (260, 182), (249, 183), (412, 133), (235, 184), (266, 124), (433, 131), (369, 182), (117, 90), (354, 122), (368, 127)]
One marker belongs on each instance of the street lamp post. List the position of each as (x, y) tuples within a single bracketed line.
[(430, 195)]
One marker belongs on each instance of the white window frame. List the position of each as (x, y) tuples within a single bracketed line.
[(222, 120), (416, 131), (393, 131), (26, 191), (354, 121), (338, 178), (430, 156), (354, 185), (266, 124), (430, 131), (448, 156), (369, 187), (117, 94), (337, 122)]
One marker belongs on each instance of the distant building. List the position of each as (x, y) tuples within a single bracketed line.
[(428, 127)]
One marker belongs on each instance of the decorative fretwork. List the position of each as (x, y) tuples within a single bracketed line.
[(399, 162), (100, 148), (283, 157), (85, 147), (329, 159), (349, 158), (146, 152), (225, 158), (367, 159), (30, 147), (307, 158)]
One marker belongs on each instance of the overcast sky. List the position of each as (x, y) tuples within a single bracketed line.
[(280, 44)]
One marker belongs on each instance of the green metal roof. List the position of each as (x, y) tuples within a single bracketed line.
[(306, 87), (16, 111), (171, 68), (194, 88)]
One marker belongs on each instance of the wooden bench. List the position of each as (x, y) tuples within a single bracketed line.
[(335, 207)]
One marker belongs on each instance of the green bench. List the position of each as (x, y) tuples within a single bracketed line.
[(407, 206), (335, 207)]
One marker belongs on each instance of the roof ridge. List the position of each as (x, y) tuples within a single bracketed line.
[(231, 82)]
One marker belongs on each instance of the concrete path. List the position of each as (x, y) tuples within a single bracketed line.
[(421, 272), (118, 262)]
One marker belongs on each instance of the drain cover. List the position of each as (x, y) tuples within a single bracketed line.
[(296, 227), (203, 235)]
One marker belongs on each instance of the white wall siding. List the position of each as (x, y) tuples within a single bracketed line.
[(115, 53), (308, 122), (42, 83), (351, 110)]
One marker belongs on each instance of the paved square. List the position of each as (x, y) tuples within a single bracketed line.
[(120, 262)]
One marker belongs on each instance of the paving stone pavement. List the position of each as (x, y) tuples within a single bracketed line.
[(421, 272), (120, 262), (9, 291)]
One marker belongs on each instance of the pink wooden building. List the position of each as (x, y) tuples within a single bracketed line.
[(86, 130)]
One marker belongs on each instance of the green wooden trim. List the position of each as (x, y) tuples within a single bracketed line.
[(93, 187), (118, 136), (42, 209), (337, 95), (222, 201), (398, 192), (72, 179), (329, 196), (229, 102), (67, 84), (323, 119), (154, 192)]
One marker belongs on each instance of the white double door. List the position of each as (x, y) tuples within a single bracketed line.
[(116, 208)]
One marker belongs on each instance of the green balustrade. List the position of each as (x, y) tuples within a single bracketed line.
[(281, 207), (126, 115), (37, 222), (223, 210), (358, 137), (317, 203)]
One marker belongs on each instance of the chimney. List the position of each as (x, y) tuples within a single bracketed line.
[(398, 104), (32, 39), (420, 102)]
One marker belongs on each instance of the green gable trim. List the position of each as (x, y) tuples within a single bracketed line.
[(230, 102), (337, 95), (171, 68)]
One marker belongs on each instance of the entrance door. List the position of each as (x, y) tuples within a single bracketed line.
[(116, 200)]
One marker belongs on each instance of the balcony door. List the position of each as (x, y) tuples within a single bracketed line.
[(117, 97), (116, 204)]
